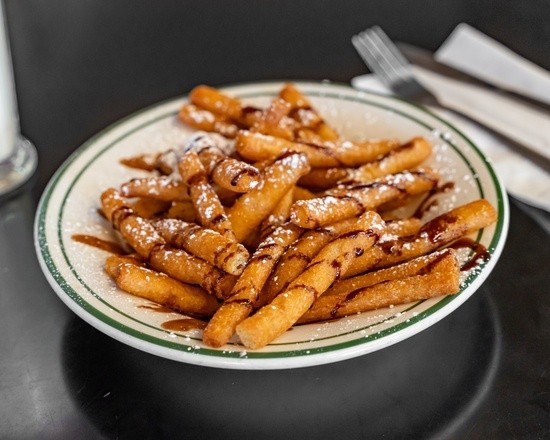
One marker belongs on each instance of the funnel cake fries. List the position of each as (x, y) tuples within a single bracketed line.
[(302, 111), (258, 146), (160, 288), (205, 120), (402, 227), (278, 215), (149, 208), (302, 251), (193, 270), (290, 116), (273, 120), (161, 162), (210, 212), (231, 228), (346, 201), (231, 174), (211, 110), (404, 157), (215, 101), (163, 188), (144, 162), (422, 278), (252, 208), (330, 263), (245, 293), (113, 263), (204, 243), (137, 231), (299, 255), (435, 234), (143, 237)]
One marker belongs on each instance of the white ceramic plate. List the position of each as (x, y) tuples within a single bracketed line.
[(75, 271)]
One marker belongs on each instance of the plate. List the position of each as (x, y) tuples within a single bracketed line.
[(75, 271)]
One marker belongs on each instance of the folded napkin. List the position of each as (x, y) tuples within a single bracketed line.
[(521, 177), (473, 52), (525, 124)]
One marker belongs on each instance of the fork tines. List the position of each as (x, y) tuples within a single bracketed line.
[(381, 55)]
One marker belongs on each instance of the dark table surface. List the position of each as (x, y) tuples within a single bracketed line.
[(482, 372)]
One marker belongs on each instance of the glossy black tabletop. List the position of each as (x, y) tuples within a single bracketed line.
[(482, 372)]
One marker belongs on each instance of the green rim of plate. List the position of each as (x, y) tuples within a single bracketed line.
[(361, 97)]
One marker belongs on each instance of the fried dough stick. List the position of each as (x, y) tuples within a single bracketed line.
[(205, 120), (351, 200), (299, 254), (230, 174), (258, 147), (278, 216), (321, 179), (113, 263), (142, 236), (330, 263), (250, 209), (161, 162), (204, 243), (302, 194), (240, 302), (215, 101), (146, 162), (422, 278), (162, 289), (210, 212), (137, 231), (163, 188), (187, 268), (296, 258), (435, 234), (149, 208), (304, 113), (183, 211), (274, 121), (404, 157), (403, 227)]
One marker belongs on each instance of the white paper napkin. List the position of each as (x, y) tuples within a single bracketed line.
[(522, 178), (475, 53), (528, 126)]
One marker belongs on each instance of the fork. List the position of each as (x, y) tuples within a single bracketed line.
[(387, 62), (383, 57)]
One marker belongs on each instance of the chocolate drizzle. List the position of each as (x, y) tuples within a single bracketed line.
[(106, 245), (337, 266), (299, 256), (480, 252), (435, 229), (184, 324), (429, 201), (243, 172)]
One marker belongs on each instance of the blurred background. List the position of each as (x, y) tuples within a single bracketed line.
[(135, 53)]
